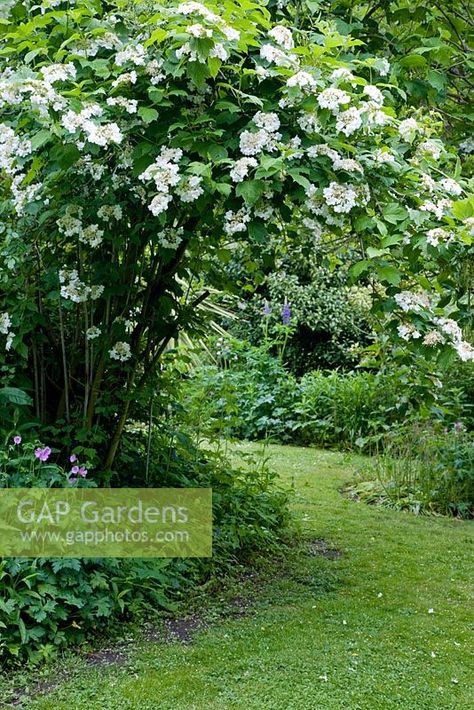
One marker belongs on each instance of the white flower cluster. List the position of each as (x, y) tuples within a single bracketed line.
[(165, 174), (154, 71), (438, 208), (236, 221), (302, 80), (70, 224), (190, 188), (252, 143), (11, 148), (110, 212), (129, 77), (342, 197), (58, 72), (241, 168), (198, 30), (333, 98), (73, 289), (437, 235), (410, 301), (98, 133), (120, 351), (430, 148), (129, 105), (170, 238), (282, 36), (452, 330), (136, 54), (408, 128), (274, 55), (349, 121), (374, 94), (93, 332), (407, 331), (308, 121), (5, 325)]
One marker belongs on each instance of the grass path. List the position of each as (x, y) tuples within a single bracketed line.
[(351, 633)]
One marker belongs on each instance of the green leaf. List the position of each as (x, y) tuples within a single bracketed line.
[(413, 61), (300, 179), (463, 209), (394, 212), (388, 273), (360, 268), (40, 138), (373, 253), (156, 37), (13, 395), (148, 114), (250, 190)]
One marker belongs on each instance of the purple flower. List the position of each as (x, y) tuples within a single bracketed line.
[(72, 480), (75, 469), (73, 458), (83, 472), (43, 454), (267, 309), (17, 439), (286, 314)]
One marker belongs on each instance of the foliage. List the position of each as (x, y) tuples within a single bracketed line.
[(248, 394), (330, 317), (351, 410), (46, 604), (423, 470), (143, 145)]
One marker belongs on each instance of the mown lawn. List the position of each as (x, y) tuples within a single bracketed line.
[(386, 624)]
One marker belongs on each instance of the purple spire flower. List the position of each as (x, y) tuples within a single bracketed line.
[(267, 309), (43, 454), (17, 439), (286, 314)]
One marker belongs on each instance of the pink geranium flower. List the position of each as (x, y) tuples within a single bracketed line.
[(43, 454), (17, 439)]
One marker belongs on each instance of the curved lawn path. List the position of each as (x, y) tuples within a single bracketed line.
[(361, 637)]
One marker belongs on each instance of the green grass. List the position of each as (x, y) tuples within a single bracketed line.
[(352, 632)]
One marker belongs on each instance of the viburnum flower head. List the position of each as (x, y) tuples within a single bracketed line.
[(408, 128), (333, 98), (302, 79), (282, 36), (269, 121), (241, 168), (121, 351), (349, 121), (252, 143), (374, 94), (340, 196)]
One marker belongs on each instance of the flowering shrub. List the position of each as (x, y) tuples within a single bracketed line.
[(141, 146)]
